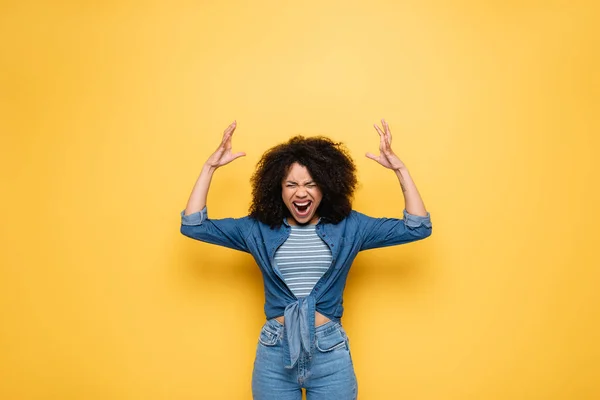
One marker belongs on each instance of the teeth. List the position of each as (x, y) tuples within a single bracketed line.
[(302, 204)]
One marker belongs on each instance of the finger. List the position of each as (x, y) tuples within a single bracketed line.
[(238, 155), (229, 130), (388, 132), (378, 129), (226, 142), (387, 135), (386, 128), (226, 137), (372, 156), (387, 146), (381, 137)]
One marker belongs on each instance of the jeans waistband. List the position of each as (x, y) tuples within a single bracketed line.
[(327, 327), (277, 327)]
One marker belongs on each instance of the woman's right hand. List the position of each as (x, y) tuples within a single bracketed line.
[(223, 153)]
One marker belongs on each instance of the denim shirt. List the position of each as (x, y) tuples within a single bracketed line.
[(345, 239)]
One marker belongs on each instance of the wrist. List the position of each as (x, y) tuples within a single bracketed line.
[(401, 170), (208, 168)]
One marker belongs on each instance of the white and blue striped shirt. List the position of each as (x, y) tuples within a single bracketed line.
[(303, 259)]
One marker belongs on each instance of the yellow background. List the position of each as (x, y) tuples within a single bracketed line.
[(109, 109)]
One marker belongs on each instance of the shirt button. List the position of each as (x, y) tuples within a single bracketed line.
[(324, 235)]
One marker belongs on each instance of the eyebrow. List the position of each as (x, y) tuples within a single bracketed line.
[(306, 183)]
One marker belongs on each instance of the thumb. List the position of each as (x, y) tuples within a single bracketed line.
[(371, 156)]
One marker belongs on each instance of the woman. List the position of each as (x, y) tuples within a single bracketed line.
[(304, 236)]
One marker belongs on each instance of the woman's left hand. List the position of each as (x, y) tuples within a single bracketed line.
[(386, 157)]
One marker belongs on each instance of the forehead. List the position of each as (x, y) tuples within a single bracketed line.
[(298, 173)]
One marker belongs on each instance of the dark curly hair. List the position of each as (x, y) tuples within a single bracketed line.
[(330, 166)]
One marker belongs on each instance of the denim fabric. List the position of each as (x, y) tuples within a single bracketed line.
[(345, 239), (326, 372)]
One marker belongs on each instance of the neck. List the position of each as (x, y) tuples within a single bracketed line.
[(293, 222)]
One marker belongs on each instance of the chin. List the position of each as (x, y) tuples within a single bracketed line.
[(302, 221)]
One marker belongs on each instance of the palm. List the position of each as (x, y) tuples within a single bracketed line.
[(223, 154), (386, 157)]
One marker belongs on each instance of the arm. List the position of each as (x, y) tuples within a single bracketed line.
[(412, 199), (220, 157), (228, 232), (387, 158), (383, 232), (416, 224)]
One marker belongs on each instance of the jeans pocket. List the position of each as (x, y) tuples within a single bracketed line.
[(268, 337), (332, 341)]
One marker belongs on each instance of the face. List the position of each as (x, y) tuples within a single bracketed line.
[(301, 195)]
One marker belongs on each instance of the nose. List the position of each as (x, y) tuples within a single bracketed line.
[(301, 192)]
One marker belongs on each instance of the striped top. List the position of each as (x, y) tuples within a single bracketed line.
[(303, 259)]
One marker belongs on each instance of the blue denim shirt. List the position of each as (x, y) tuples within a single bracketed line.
[(345, 239)]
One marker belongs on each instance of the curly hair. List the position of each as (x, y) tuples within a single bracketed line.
[(328, 163)]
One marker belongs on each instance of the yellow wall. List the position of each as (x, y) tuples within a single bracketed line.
[(108, 110)]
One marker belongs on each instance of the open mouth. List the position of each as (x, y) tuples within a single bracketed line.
[(302, 208)]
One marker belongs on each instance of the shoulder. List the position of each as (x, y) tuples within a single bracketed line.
[(357, 216), (351, 223)]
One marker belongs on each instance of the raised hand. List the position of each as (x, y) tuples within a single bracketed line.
[(386, 156), (223, 154)]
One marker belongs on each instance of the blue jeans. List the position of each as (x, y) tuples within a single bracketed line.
[(328, 374)]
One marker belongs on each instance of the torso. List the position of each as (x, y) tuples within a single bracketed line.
[(291, 258), (320, 319)]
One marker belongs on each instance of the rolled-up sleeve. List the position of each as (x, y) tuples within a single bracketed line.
[(383, 232), (227, 232), (414, 221), (195, 218)]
